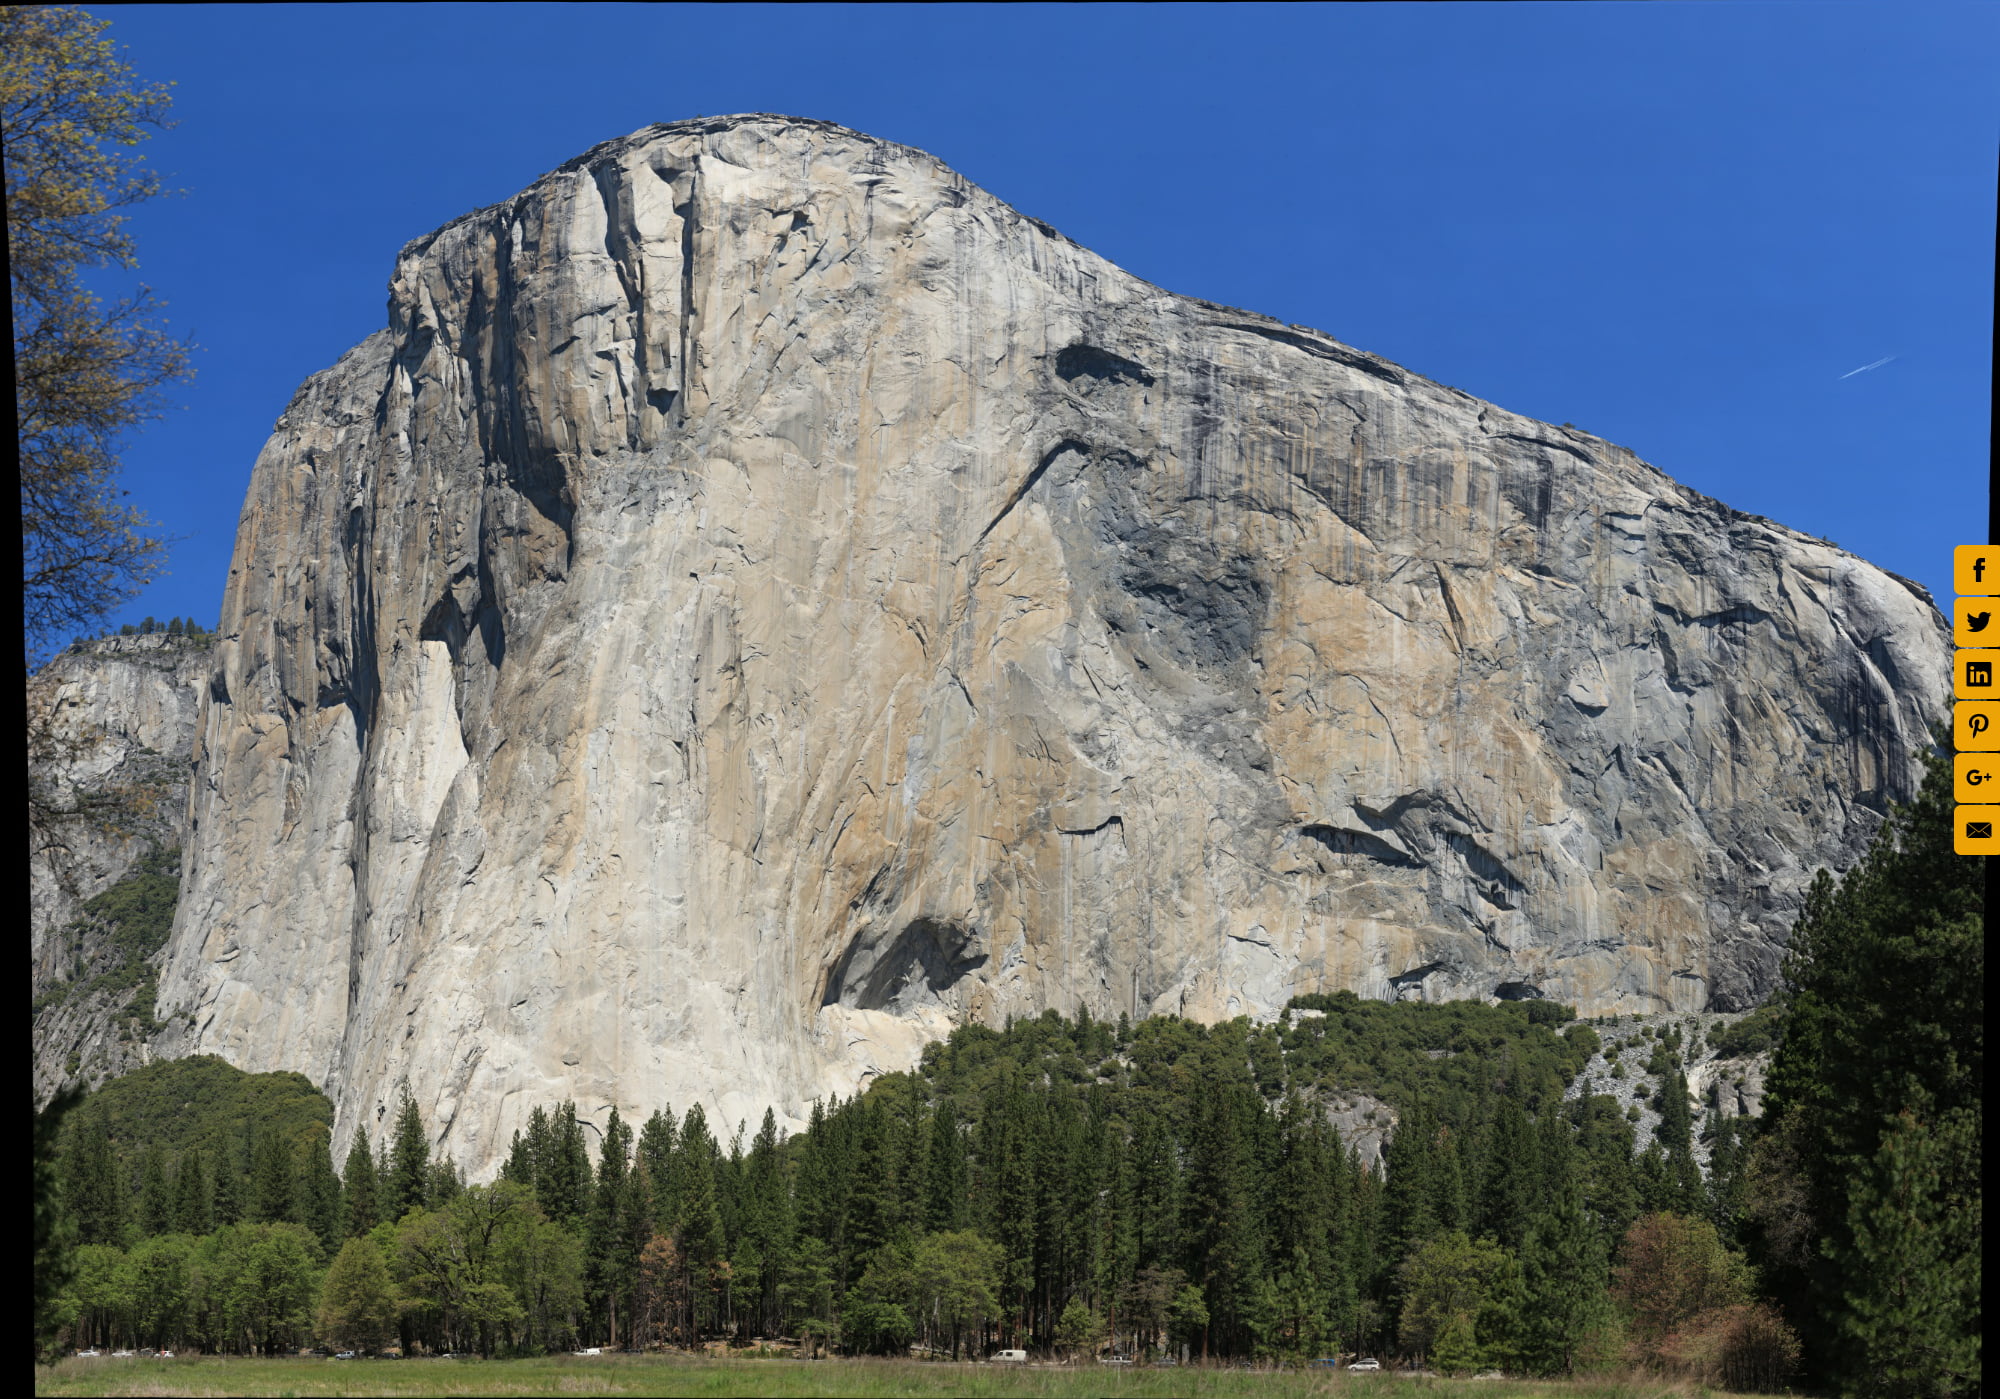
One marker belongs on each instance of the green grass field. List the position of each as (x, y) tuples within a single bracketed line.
[(668, 1375)]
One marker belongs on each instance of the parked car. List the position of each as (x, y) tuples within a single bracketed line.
[(1369, 1363), (1010, 1357), (344, 1355)]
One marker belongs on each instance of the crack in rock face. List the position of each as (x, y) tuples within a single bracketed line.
[(675, 658)]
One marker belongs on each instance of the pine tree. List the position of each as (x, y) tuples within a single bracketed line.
[(656, 1147), (632, 1231), (93, 1194), (1563, 1277), (194, 1195), (768, 1221), (319, 1191), (519, 1167), (1412, 1188), (360, 1192), (1913, 1305), (700, 1235), (1884, 1015), (1511, 1194), (1224, 1224), (273, 1190), (605, 1233), (156, 1199), (54, 1261), (407, 1185), (1682, 1192), (227, 1193), (442, 1183)]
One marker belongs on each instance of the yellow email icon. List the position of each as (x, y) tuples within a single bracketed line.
[(1972, 830)]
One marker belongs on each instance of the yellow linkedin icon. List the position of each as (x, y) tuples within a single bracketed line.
[(1973, 675)]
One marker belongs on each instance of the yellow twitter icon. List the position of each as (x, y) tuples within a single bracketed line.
[(1972, 621)]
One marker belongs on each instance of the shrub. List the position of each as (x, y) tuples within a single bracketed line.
[(1743, 1347), (1753, 1034)]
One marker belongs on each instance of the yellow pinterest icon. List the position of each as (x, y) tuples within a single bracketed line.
[(1975, 726)]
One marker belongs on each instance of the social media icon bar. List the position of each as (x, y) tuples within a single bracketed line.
[(1972, 675), (1972, 830), (1975, 719), (1975, 568), (1972, 621), (1975, 726)]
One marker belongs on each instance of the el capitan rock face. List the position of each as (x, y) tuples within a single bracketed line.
[(763, 600)]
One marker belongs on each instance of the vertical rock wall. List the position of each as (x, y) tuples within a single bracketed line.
[(762, 601)]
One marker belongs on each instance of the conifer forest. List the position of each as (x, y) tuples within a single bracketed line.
[(1440, 1183)]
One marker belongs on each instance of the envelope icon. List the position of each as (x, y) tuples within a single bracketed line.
[(1979, 830)]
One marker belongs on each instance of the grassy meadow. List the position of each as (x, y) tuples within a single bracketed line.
[(673, 1375)]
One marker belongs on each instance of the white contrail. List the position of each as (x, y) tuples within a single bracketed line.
[(1866, 367)]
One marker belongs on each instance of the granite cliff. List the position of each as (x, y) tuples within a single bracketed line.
[(762, 600), (111, 730)]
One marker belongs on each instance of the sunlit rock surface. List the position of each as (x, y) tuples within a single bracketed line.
[(763, 601)]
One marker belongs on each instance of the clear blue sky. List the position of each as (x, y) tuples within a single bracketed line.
[(1675, 225)]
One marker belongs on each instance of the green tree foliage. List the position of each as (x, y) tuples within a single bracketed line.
[(1670, 1270), (201, 1104), (361, 1208), (1912, 1305), (1868, 1193), (955, 1284), (1164, 1184), (407, 1186), (194, 1195), (1080, 1330), (357, 1304), (156, 1199), (55, 1226), (319, 1201), (1753, 1034), (273, 1185), (454, 1264), (1564, 1307), (84, 373), (1458, 1298), (94, 1186)]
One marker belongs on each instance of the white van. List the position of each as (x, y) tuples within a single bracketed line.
[(1010, 1357)]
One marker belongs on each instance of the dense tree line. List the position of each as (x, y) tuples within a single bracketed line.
[(1863, 1200), (1059, 1185), (1066, 1185)]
